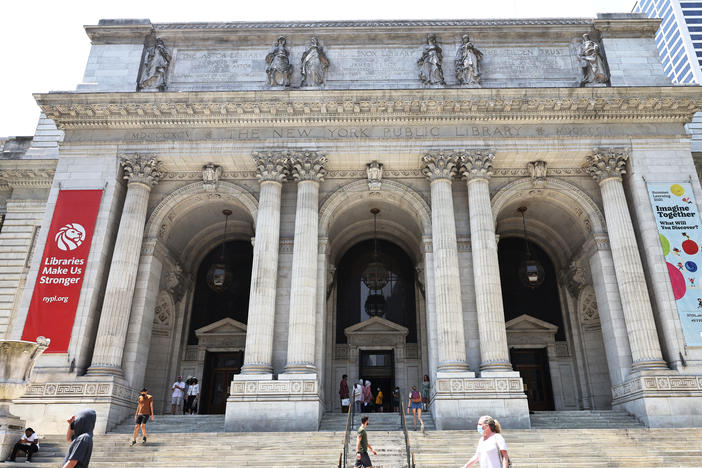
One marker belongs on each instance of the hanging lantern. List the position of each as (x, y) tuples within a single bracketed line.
[(530, 272), (375, 275), (375, 305), (219, 277)]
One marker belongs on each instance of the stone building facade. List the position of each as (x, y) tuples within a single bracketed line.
[(445, 129)]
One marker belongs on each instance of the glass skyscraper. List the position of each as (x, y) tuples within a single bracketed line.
[(679, 39)]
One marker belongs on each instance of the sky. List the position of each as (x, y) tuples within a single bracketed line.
[(43, 46)]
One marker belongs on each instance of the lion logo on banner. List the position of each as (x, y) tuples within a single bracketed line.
[(70, 236)]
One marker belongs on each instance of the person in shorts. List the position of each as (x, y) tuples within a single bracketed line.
[(362, 446), (178, 389), (415, 402), (145, 409)]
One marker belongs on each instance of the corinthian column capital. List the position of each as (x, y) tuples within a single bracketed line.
[(477, 164), (308, 165), (440, 165), (271, 165), (141, 168), (607, 163)]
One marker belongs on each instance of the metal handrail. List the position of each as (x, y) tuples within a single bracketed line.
[(349, 424), (403, 422)]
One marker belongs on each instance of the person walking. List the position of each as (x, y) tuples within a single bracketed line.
[(178, 389), (426, 390), (492, 448), (358, 396), (80, 435), (379, 401), (28, 443), (144, 411), (362, 458), (193, 395), (415, 402), (396, 400), (344, 394), (367, 398)]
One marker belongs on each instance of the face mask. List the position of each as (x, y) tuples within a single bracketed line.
[(480, 430)]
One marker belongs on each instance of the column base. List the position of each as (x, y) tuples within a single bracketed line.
[(104, 370), (46, 406), (256, 369), (460, 400), (661, 399), (290, 403)]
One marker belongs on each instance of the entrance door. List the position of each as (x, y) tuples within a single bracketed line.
[(220, 369), (532, 365), (379, 368)]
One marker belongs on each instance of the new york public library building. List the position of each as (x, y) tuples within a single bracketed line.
[(508, 206)]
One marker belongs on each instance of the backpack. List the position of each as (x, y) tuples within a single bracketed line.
[(415, 396)]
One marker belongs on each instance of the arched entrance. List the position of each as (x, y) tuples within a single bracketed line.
[(388, 348), (560, 354), (203, 331)]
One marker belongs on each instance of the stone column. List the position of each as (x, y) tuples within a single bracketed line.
[(141, 172), (440, 168), (606, 166), (307, 167), (272, 170), (476, 169)]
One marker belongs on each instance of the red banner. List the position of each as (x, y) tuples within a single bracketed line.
[(57, 289)]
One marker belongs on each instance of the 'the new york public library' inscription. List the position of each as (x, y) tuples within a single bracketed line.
[(369, 133)]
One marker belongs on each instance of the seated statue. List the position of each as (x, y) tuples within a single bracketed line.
[(278, 66)]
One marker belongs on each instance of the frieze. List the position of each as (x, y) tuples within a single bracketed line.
[(657, 385), (27, 177), (262, 390), (449, 387), (197, 175), (78, 390), (165, 109)]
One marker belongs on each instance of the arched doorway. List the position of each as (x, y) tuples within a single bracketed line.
[(531, 359)]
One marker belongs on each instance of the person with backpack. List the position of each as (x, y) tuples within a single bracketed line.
[(415, 402)]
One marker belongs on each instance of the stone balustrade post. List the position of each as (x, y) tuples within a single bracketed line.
[(307, 167), (606, 166), (476, 169), (141, 171), (440, 168), (272, 171)]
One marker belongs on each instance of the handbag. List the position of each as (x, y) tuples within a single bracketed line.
[(509, 459), (345, 402)]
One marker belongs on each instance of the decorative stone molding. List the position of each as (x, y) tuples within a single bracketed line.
[(537, 172), (562, 350), (374, 172), (587, 307), (140, 168), (72, 390), (197, 175), (176, 283), (607, 163), (308, 165), (477, 164), (286, 245), (472, 388), (553, 171), (440, 165), (210, 176), (273, 390), (163, 315), (41, 178), (167, 109), (664, 386), (575, 279), (272, 165), (463, 244)]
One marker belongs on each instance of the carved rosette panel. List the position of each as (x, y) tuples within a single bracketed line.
[(374, 172), (308, 165), (141, 168), (587, 307), (271, 165), (607, 163), (477, 164), (440, 165), (163, 314)]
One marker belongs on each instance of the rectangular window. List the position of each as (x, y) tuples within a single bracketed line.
[(691, 4), (675, 59), (695, 29), (696, 37), (685, 69), (682, 68), (693, 20)]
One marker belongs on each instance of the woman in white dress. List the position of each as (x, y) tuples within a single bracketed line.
[(492, 449)]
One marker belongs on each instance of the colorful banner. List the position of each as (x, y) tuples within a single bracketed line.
[(57, 289), (681, 238)]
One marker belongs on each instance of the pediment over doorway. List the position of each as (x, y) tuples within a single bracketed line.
[(375, 325), (527, 323), (226, 326)]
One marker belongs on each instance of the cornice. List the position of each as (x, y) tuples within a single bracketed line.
[(227, 108)]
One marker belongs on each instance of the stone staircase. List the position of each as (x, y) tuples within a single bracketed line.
[(197, 441), (583, 420), (378, 422)]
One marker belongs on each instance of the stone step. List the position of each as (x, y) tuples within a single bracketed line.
[(378, 422), (587, 419)]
